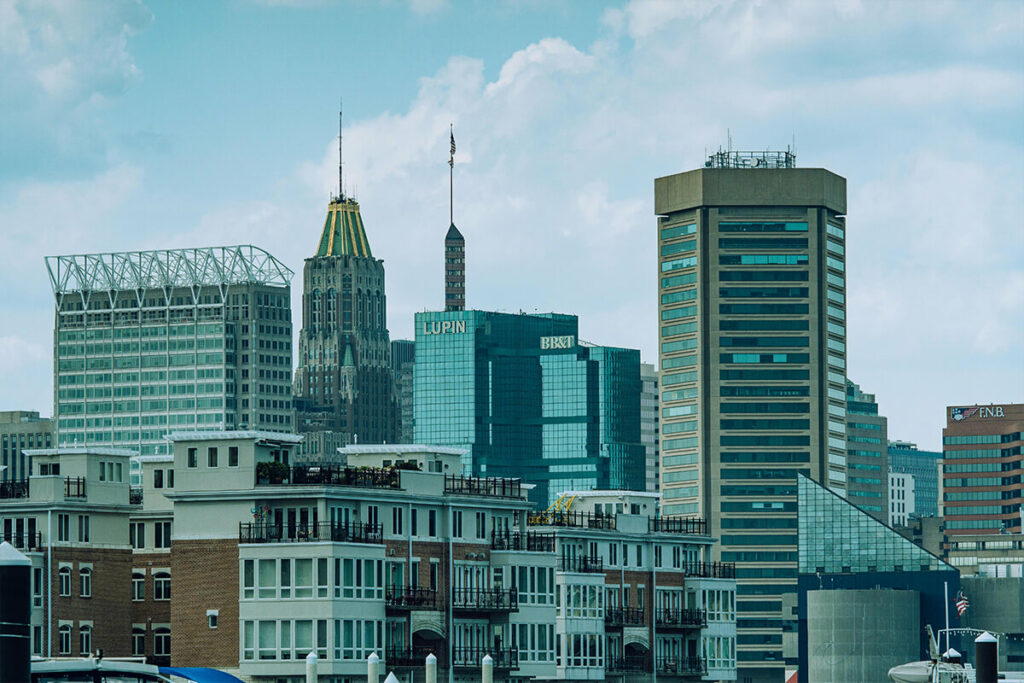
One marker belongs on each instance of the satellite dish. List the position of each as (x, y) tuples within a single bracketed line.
[(755, 162)]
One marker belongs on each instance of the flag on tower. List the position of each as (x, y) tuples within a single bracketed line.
[(451, 159), (961, 604)]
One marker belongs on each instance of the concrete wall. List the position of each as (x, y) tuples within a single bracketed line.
[(854, 636), (997, 604)]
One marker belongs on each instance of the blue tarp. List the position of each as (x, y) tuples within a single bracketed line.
[(199, 674)]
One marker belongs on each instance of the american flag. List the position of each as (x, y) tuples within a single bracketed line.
[(961, 604), (451, 159)]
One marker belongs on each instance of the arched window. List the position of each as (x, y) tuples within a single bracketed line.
[(85, 640), (162, 586), (85, 582), (64, 582), (138, 642), (64, 640), (162, 642), (138, 586)]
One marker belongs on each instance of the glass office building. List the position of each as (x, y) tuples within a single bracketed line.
[(529, 400), (867, 454), (907, 458)]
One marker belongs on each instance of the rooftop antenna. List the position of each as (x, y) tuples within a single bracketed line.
[(728, 135), (451, 176), (341, 182)]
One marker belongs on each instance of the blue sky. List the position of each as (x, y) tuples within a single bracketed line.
[(129, 125)]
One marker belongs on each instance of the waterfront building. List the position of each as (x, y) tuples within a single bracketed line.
[(403, 358), (752, 332), (923, 466), (153, 341), (528, 399), (866, 453), (20, 430), (982, 489), (649, 425)]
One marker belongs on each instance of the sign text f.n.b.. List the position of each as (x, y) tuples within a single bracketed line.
[(444, 327), (564, 342), (961, 414)]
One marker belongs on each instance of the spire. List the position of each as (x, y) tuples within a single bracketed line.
[(341, 157), (454, 247), (343, 233)]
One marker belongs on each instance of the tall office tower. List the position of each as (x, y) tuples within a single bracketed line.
[(752, 358), (529, 400), (403, 358), (183, 339), (649, 424), (981, 450), (906, 458), (867, 453), (343, 383), (454, 270), (21, 429)]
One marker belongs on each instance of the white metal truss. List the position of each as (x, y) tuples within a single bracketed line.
[(138, 270)]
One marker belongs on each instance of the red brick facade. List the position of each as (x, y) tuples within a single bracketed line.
[(204, 576), (111, 581)]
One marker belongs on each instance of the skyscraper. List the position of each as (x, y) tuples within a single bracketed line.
[(906, 458), (454, 270), (529, 400), (867, 453), (649, 424), (403, 358), (21, 429), (181, 339), (753, 366)]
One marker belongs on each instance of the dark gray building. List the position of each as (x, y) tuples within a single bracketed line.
[(867, 458), (21, 429), (403, 358)]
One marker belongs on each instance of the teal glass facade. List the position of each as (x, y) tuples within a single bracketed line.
[(528, 400)]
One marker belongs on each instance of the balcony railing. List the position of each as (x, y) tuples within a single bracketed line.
[(711, 570), (582, 564), (14, 489), (472, 657), (135, 496), (679, 525), (530, 541), (329, 475), (410, 598), (410, 657), (499, 487), (582, 520), (628, 664), (250, 532), (74, 487), (485, 600), (682, 666), (681, 618), (624, 616), (24, 541)]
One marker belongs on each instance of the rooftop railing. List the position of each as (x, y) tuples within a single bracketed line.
[(74, 487), (583, 564), (499, 487), (681, 618), (14, 489), (329, 475), (679, 525), (579, 520), (251, 532), (711, 570), (530, 541), (624, 616)]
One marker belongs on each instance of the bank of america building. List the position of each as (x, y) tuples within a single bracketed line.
[(183, 339), (528, 399), (752, 289)]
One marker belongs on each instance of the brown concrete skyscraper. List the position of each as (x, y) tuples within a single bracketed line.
[(454, 270)]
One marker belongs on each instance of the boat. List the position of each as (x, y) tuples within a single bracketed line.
[(94, 670)]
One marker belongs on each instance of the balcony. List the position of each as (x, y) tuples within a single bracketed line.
[(24, 541), (617, 617), (579, 520), (135, 496), (410, 598), (682, 666), (274, 474), (485, 600), (494, 487), (530, 541), (628, 664), (711, 570), (410, 657), (581, 565), (678, 525), (14, 489), (472, 657), (74, 487), (681, 618), (249, 532)]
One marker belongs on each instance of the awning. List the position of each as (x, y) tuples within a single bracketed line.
[(199, 674)]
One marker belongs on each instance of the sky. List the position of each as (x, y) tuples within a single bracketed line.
[(128, 125)]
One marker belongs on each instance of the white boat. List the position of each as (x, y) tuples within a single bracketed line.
[(94, 670)]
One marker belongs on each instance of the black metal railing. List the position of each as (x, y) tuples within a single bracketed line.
[(582, 520), (685, 666), (24, 540), (485, 599), (135, 496), (329, 475), (711, 570), (628, 664), (500, 487), (410, 597), (666, 617), (410, 657), (250, 532), (14, 489), (679, 525), (74, 487), (583, 564), (624, 616), (530, 541), (472, 657)]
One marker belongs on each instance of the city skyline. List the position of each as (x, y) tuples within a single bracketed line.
[(126, 113)]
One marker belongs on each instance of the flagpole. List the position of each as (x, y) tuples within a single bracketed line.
[(451, 178), (945, 608)]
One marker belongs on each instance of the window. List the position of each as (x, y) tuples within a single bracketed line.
[(64, 528), (37, 586), (64, 640), (412, 522), (85, 640), (396, 520), (162, 586), (138, 586), (85, 582), (211, 619), (457, 524), (193, 457), (158, 479), (64, 584), (138, 642), (83, 528), (433, 575), (481, 525), (432, 523), (162, 642), (137, 534), (162, 533), (232, 456), (211, 456)]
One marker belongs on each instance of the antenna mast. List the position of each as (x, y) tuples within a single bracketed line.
[(341, 185)]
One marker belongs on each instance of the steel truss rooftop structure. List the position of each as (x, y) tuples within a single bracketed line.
[(166, 268)]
